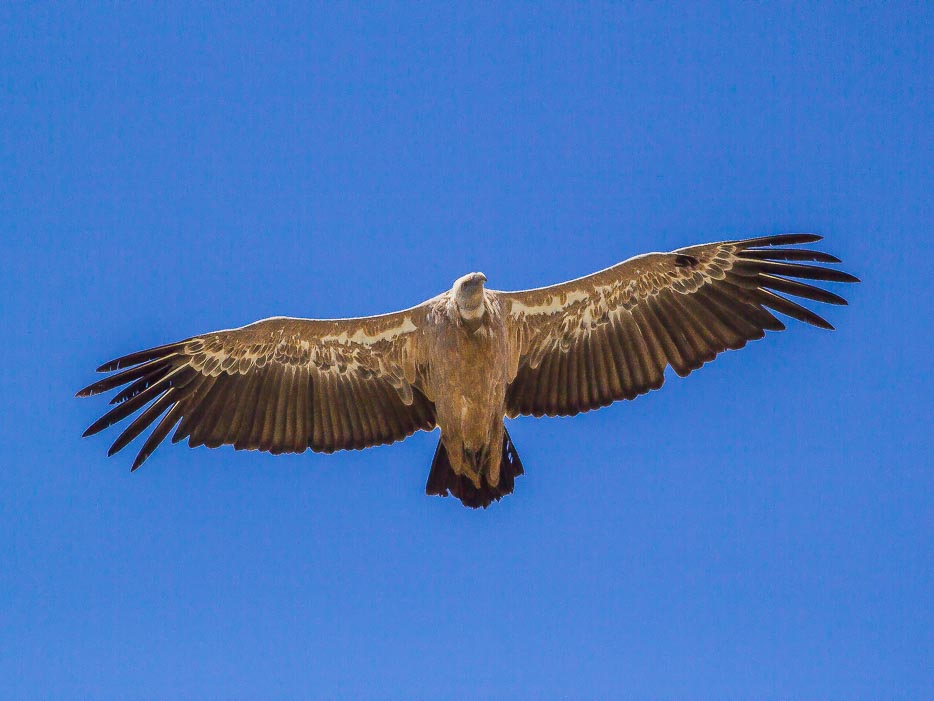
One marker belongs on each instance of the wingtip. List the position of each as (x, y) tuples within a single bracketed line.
[(810, 238), (89, 391), (795, 238), (98, 426)]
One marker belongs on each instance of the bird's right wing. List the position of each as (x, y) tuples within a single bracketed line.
[(280, 384), (586, 343)]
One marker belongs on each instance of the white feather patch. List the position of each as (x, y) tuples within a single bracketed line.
[(362, 337)]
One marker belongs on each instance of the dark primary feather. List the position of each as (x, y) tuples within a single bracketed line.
[(777, 240), (145, 371), (791, 254), (141, 356)]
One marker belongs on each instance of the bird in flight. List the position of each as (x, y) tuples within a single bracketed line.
[(465, 359)]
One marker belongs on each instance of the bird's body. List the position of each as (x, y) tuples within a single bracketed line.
[(467, 378), (464, 360)]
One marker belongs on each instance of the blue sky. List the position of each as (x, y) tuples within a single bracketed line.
[(761, 529)]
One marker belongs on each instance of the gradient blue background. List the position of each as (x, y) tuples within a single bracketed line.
[(762, 529)]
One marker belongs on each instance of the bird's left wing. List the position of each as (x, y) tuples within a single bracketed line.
[(281, 385), (586, 343)]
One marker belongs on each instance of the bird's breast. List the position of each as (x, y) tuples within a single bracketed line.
[(468, 371)]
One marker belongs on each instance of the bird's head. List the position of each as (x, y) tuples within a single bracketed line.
[(468, 293)]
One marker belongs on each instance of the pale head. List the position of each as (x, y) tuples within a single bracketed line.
[(468, 293)]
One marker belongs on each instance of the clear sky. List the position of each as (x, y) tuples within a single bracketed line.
[(761, 529)]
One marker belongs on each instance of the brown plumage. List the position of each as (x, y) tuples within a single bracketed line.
[(465, 359)]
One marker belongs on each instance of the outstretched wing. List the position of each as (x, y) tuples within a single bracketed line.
[(281, 385), (586, 343)]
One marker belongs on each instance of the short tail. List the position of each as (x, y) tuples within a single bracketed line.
[(442, 479)]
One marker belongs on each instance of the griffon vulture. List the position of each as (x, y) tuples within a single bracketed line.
[(465, 359)]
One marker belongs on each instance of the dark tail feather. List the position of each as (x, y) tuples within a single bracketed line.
[(442, 480)]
